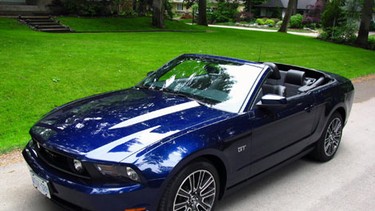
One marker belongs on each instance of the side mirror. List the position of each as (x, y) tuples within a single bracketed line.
[(272, 100)]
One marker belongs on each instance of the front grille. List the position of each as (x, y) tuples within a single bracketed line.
[(58, 161)]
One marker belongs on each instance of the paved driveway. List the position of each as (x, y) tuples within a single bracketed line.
[(265, 30), (345, 183)]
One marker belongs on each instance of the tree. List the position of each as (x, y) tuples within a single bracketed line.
[(158, 13), (248, 5), (202, 10), (340, 21), (288, 13), (314, 13), (364, 28)]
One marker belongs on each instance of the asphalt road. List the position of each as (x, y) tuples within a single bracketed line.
[(345, 183)]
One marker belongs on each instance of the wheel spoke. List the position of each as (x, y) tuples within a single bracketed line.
[(200, 180), (208, 183), (337, 127), (204, 206), (192, 183), (327, 143), (330, 149), (183, 193), (181, 206), (208, 194)]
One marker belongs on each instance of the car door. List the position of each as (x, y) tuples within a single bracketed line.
[(279, 131), (235, 135)]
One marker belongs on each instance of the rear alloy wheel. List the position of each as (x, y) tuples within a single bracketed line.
[(195, 188), (329, 142)]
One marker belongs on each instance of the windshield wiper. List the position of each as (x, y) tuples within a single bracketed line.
[(141, 86), (183, 94)]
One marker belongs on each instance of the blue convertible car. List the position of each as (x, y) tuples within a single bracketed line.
[(194, 130)]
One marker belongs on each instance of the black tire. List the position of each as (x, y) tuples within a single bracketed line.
[(181, 196), (328, 144)]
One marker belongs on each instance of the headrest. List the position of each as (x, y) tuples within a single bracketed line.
[(275, 74), (296, 77)]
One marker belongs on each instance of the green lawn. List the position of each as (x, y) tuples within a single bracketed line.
[(40, 71)]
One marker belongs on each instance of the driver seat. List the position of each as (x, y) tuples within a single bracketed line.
[(273, 82)]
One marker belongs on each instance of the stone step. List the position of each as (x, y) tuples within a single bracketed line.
[(44, 24), (35, 17), (48, 26), (38, 20), (56, 30)]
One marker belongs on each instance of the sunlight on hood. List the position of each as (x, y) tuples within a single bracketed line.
[(126, 146)]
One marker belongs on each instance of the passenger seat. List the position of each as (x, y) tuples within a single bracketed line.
[(294, 79)]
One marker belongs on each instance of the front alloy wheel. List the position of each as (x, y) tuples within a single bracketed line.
[(194, 188), (197, 192)]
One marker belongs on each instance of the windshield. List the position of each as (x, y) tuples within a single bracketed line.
[(219, 84)]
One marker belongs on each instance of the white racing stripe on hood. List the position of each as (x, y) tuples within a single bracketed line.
[(139, 140), (155, 114)]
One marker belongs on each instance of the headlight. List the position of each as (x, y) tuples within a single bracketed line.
[(118, 171)]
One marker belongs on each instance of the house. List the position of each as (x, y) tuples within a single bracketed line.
[(178, 6), (24, 7), (268, 8)]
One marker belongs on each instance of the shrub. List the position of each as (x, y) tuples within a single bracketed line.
[(83, 7), (244, 16), (275, 19), (309, 23), (260, 21), (372, 26), (340, 21), (265, 21), (121, 7), (313, 15), (296, 21), (225, 12), (339, 34), (333, 14), (270, 22), (371, 42), (186, 15)]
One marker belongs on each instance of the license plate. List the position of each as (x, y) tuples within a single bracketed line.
[(40, 184)]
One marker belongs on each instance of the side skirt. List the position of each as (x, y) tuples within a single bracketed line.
[(238, 186)]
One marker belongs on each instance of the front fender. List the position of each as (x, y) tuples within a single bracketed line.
[(169, 158)]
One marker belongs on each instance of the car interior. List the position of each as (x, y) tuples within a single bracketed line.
[(290, 81)]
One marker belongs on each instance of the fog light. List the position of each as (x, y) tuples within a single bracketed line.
[(78, 165)]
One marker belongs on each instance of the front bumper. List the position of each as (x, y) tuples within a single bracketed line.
[(75, 194)]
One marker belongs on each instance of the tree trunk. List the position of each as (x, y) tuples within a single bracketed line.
[(288, 13), (248, 5), (202, 10), (158, 13), (364, 28)]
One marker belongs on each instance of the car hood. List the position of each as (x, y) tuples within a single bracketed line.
[(115, 125)]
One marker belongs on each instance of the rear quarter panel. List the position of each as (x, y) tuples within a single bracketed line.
[(336, 95)]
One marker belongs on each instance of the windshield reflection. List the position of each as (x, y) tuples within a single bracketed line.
[(218, 84)]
